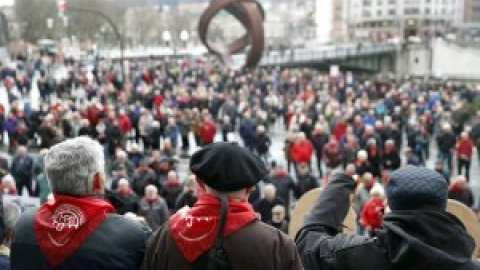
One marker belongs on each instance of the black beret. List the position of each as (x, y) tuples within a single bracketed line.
[(227, 167)]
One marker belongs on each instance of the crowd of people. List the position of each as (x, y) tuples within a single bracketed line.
[(145, 124), (149, 123)]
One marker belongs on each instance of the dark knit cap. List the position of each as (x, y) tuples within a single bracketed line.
[(413, 188), (227, 167)]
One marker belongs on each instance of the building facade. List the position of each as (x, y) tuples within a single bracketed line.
[(384, 19), (331, 18), (472, 11), (288, 23)]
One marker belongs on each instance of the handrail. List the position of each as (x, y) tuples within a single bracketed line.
[(318, 55)]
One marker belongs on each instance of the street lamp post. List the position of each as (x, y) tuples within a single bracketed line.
[(167, 38), (115, 30), (184, 36), (50, 23)]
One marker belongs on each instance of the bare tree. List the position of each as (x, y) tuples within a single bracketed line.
[(141, 24), (33, 14), (86, 26)]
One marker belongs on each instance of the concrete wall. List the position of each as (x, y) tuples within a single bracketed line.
[(413, 61), (453, 61), (449, 61), (418, 61)]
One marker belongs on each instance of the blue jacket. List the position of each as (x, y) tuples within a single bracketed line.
[(248, 129)]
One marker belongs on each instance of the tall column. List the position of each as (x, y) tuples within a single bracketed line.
[(324, 11)]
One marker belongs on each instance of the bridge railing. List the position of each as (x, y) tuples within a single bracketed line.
[(272, 58), (316, 55)]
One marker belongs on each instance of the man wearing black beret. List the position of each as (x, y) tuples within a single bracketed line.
[(222, 231), (418, 234)]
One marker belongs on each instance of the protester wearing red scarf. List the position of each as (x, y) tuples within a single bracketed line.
[(222, 226), (372, 213), (208, 130), (79, 230), (195, 230), (62, 227), (302, 150)]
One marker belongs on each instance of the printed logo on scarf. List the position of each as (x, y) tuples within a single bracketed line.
[(193, 227), (67, 217)]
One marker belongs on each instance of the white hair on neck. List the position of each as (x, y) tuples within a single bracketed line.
[(72, 165)]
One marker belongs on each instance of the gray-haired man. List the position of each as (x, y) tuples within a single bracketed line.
[(79, 230)]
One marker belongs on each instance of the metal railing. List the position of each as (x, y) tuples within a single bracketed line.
[(339, 52), (271, 58)]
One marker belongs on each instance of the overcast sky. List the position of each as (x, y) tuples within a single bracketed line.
[(6, 3)]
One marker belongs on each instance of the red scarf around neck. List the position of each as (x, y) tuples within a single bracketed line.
[(195, 230), (63, 226)]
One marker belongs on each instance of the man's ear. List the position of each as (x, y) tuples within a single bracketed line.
[(98, 184)]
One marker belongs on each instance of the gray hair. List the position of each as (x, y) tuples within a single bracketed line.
[(22, 150), (11, 214), (270, 189), (151, 188), (72, 165), (123, 182)]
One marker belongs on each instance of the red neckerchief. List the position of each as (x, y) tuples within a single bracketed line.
[(129, 191), (153, 200), (195, 230), (63, 226), (173, 183), (282, 173), (389, 150)]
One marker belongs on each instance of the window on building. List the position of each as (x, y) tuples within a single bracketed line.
[(379, 12), (427, 11), (367, 3), (366, 14), (379, 2), (412, 11), (392, 12), (392, 2)]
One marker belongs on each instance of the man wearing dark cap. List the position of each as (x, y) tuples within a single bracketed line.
[(418, 234), (222, 231)]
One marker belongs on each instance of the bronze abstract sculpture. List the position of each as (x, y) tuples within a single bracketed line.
[(251, 15)]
